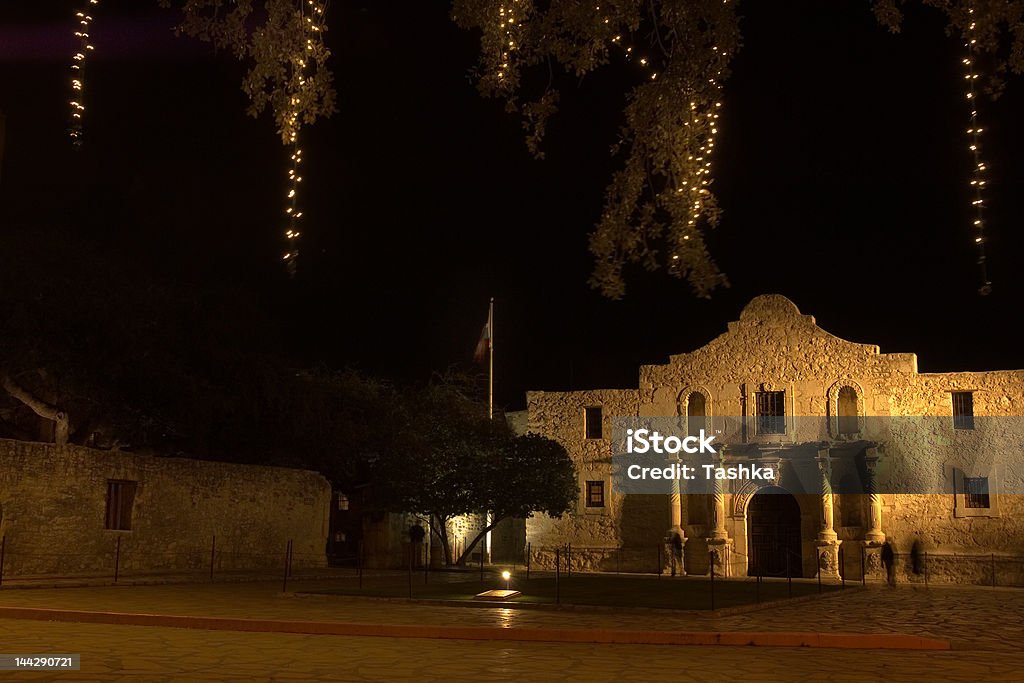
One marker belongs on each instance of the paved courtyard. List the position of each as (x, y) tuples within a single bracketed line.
[(986, 628)]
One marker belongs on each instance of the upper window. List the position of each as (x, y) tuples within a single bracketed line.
[(963, 410), (120, 497), (696, 412), (595, 494), (846, 410), (976, 492), (771, 412), (592, 422)]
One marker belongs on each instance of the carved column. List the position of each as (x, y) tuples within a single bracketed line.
[(874, 535), (827, 541), (718, 539), (674, 549)]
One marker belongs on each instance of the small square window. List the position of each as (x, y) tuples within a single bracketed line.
[(771, 412), (963, 410), (976, 492), (120, 498), (595, 494), (592, 422)]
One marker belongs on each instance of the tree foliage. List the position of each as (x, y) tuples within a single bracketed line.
[(281, 41), (659, 204), (449, 459)]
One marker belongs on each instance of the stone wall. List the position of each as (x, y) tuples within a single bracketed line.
[(773, 347), (53, 506)]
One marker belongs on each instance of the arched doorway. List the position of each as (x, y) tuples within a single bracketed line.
[(773, 533)]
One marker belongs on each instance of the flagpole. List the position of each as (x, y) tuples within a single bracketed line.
[(490, 378)]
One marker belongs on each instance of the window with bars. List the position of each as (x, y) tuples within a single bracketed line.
[(595, 494), (963, 410), (976, 492), (592, 422), (771, 412), (120, 498)]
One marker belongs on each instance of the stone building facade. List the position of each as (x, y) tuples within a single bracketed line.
[(67, 510), (864, 448)]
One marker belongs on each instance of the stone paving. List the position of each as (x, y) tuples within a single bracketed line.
[(986, 626)]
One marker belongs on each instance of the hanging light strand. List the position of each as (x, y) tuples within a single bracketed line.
[(83, 26), (974, 132), (312, 15)]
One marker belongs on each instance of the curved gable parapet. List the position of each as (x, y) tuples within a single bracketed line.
[(773, 340)]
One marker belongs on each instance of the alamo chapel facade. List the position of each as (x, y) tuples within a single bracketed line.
[(828, 417)]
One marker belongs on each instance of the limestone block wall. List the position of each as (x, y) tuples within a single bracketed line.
[(53, 502)]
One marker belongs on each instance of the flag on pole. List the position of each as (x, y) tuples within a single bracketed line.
[(484, 345)]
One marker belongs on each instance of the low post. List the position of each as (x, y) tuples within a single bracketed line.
[(926, 570), (819, 575), (659, 561), (568, 561), (291, 554), (842, 567), (711, 559), (863, 568), (993, 556), (213, 554), (359, 563), (558, 568), (3, 546), (426, 561), (789, 575), (481, 563), (117, 558), (287, 557), (529, 552), (410, 568), (618, 560), (757, 588)]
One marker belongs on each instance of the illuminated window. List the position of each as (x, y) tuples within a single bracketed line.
[(771, 412), (963, 410), (592, 422), (120, 497), (595, 494)]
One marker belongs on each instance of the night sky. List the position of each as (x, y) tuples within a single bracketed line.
[(842, 168)]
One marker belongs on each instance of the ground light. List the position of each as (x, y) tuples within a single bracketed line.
[(498, 594), (507, 575)]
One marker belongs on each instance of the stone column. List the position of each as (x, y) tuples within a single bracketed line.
[(874, 535), (827, 541), (718, 539), (673, 550)]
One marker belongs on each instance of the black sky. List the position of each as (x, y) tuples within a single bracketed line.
[(841, 166)]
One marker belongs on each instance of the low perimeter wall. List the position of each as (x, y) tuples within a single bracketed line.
[(183, 514)]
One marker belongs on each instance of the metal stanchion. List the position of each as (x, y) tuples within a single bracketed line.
[(529, 553), (359, 563), (568, 561), (819, 575), (287, 562), (926, 570), (558, 569), (3, 547), (789, 575), (410, 569), (481, 563), (213, 554), (117, 558), (863, 567), (659, 561), (842, 567), (711, 561), (426, 561), (993, 556)]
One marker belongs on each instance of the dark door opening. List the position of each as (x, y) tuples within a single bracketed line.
[(773, 534)]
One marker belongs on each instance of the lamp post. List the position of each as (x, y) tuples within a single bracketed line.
[(507, 575)]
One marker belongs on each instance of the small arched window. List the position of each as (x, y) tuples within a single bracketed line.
[(847, 411), (696, 412)]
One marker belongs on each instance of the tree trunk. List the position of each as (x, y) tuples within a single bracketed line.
[(62, 426), (483, 532), (439, 527)]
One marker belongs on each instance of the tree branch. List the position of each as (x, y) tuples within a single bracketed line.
[(40, 408)]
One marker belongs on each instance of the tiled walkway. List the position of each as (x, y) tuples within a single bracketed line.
[(986, 626)]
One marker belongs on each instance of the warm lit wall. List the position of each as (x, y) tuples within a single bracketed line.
[(53, 502)]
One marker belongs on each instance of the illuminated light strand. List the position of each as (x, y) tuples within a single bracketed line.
[(509, 19), (313, 27), (83, 25), (696, 188), (978, 171)]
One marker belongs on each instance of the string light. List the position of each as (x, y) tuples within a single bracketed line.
[(313, 29), (974, 147), (83, 25)]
